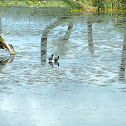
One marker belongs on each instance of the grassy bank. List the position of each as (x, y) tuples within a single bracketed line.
[(33, 3), (72, 5)]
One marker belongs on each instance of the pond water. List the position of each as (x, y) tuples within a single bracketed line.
[(87, 86)]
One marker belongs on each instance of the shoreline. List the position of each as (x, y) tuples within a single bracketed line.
[(37, 4)]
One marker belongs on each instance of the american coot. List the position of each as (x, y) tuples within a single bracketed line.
[(50, 58), (56, 59)]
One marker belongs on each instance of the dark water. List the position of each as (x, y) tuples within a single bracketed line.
[(88, 88)]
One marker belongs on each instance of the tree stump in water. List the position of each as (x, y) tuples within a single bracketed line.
[(4, 45)]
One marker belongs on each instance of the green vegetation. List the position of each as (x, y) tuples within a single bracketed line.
[(99, 5), (32, 3), (72, 5), (109, 5)]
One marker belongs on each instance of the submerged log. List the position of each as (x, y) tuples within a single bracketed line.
[(4, 45)]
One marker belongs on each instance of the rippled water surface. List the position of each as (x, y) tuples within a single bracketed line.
[(86, 87)]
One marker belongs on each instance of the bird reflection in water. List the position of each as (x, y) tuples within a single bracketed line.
[(55, 63), (4, 61)]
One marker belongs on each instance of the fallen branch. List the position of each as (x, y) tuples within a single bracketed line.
[(5, 32), (4, 45)]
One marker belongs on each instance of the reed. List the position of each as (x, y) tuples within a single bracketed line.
[(82, 5), (109, 5), (101, 5)]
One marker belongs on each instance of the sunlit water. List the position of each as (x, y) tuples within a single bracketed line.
[(86, 89)]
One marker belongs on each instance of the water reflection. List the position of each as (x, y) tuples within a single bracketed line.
[(54, 63), (43, 47), (69, 30), (51, 64), (48, 29), (123, 61), (90, 40), (79, 84), (4, 61)]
